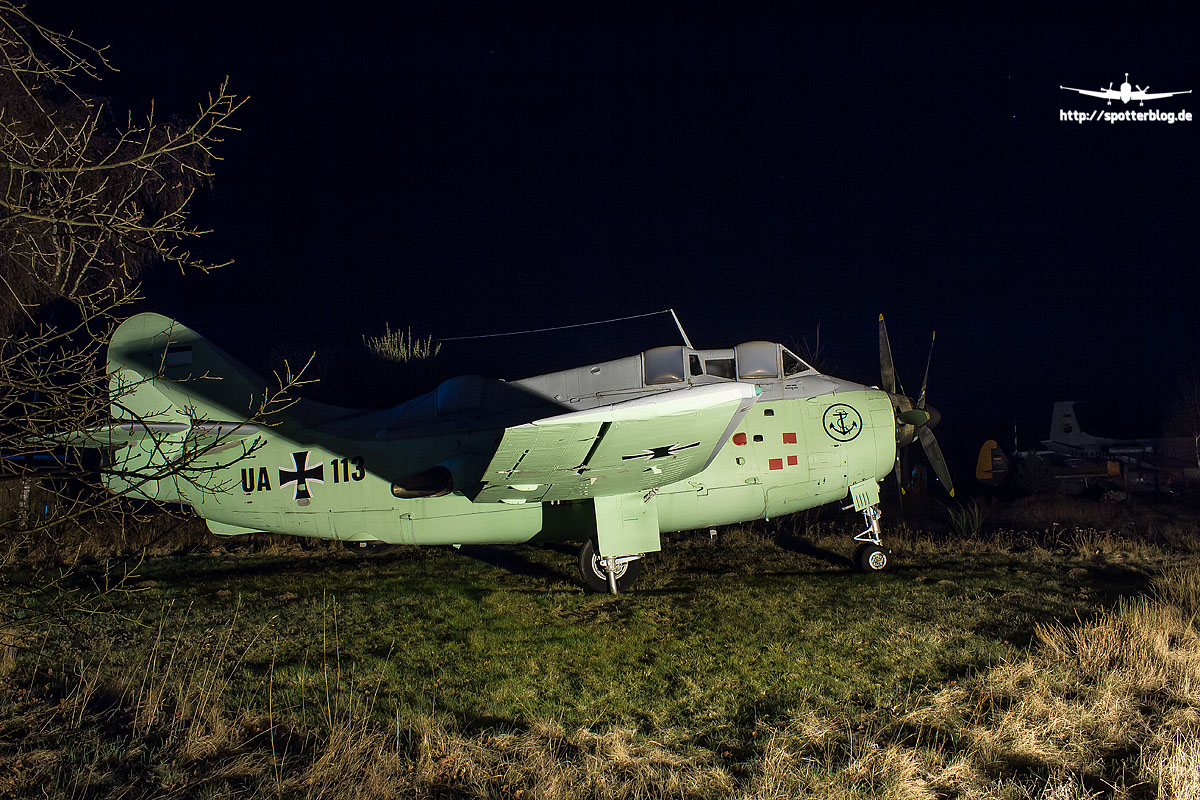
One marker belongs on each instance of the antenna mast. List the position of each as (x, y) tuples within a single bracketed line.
[(682, 333)]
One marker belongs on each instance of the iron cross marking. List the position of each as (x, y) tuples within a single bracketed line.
[(301, 476), (661, 452)]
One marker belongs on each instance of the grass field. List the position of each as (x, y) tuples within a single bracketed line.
[(1062, 663)]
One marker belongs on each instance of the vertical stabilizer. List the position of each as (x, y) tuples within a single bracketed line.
[(160, 371), (1064, 426), (171, 386)]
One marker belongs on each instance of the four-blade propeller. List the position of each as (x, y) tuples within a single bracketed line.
[(913, 420)]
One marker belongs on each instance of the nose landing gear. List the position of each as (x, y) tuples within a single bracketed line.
[(871, 555)]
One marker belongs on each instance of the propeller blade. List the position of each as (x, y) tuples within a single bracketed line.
[(887, 368), (899, 479), (929, 442), (925, 380)]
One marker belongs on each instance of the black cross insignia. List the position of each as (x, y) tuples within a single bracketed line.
[(301, 476), (661, 452)]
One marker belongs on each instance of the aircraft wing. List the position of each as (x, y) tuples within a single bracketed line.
[(1156, 95), (1104, 94), (634, 446)]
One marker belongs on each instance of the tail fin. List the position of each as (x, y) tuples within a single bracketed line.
[(991, 468), (175, 398), (1064, 427), (162, 371)]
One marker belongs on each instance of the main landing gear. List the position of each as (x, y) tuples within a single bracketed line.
[(607, 574), (871, 555)]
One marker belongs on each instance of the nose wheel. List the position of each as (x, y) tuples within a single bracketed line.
[(871, 555)]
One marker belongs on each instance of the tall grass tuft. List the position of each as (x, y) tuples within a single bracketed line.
[(1180, 586), (1175, 766), (966, 519), (401, 346)]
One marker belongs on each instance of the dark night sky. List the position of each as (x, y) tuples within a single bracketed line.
[(466, 171)]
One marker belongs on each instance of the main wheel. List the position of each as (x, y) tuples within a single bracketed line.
[(872, 558), (595, 577)]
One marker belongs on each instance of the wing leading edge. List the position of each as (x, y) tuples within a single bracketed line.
[(1103, 94), (1143, 95), (635, 446)]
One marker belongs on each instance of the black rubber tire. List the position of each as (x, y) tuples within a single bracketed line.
[(872, 558), (595, 579)]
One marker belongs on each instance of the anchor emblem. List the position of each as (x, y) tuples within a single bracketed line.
[(842, 423)]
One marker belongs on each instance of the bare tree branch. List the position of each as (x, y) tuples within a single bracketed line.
[(87, 205)]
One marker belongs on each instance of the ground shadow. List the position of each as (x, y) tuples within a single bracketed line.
[(509, 560), (802, 546)]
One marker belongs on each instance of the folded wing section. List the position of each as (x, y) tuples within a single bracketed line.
[(627, 447)]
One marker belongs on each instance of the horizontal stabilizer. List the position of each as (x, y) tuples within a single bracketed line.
[(115, 435)]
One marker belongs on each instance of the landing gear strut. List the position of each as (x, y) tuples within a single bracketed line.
[(871, 555)]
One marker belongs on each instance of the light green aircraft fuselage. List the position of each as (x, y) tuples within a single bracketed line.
[(613, 453)]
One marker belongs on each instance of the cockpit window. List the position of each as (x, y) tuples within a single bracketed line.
[(757, 360), (694, 365), (720, 368), (664, 365), (792, 365)]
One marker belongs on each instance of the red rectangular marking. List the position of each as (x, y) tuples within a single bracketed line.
[(793, 461), (776, 463), (789, 438)]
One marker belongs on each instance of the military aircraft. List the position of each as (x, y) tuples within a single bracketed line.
[(613, 453), (1078, 461), (1125, 93)]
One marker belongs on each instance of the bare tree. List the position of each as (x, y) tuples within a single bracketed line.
[(89, 201)]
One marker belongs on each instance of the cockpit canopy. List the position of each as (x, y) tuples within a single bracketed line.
[(766, 364), (749, 361)]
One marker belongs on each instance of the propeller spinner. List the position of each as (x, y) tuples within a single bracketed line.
[(914, 421)]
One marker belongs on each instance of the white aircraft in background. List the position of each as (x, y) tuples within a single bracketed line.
[(1125, 93)]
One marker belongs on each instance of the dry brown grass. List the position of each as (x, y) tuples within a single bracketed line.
[(1109, 707), (1179, 586), (1176, 765), (810, 756), (547, 760), (1112, 703), (9, 640)]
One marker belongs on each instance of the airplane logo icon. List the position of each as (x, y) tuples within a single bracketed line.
[(1126, 93)]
